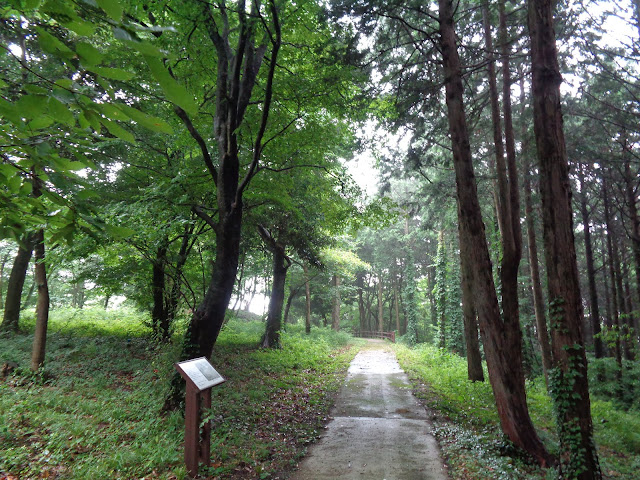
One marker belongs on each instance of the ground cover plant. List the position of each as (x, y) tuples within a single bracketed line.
[(93, 413), (466, 423)]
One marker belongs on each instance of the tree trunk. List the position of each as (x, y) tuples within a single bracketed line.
[(532, 246), (307, 298), (569, 383), (5, 258), (271, 337), (396, 306), (504, 365), (335, 310), (594, 309), (613, 260), (237, 72), (631, 200), (42, 307), (11, 318), (380, 312), (627, 331), (293, 293), (158, 312), (474, 358)]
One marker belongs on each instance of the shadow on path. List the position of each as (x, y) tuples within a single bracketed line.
[(378, 431)]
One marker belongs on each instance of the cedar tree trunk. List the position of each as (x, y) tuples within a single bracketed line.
[(569, 383), (504, 364)]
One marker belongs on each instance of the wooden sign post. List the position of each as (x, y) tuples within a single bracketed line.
[(200, 377)]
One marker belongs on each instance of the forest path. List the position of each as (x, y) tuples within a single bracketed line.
[(379, 431)]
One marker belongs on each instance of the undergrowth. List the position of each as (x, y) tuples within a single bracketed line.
[(467, 427), (94, 411)]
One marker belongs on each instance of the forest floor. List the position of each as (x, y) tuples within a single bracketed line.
[(374, 419)]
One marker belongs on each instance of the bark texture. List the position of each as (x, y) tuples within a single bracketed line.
[(13, 300), (504, 364), (569, 384), (42, 305)]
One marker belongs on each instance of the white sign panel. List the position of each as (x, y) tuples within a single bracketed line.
[(200, 372)]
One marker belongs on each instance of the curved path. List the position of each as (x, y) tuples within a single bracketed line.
[(379, 431)]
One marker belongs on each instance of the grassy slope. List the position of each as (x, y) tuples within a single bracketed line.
[(467, 423), (93, 414)]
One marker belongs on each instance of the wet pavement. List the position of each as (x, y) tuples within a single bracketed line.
[(379, 431)]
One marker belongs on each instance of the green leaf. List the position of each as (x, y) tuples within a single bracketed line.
[(112, 8), (93, 119), (148, 121), (82, 28), (113, 73), (117, 130), (119, 232), (112, 112), (174, 92), (60, 112), (53, 45), (90, 55), (31, 106), (145, 48), (40, 122)]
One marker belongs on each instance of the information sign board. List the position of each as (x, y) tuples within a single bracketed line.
[(200, 373)]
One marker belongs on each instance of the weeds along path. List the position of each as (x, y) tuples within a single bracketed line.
[(378, 431)]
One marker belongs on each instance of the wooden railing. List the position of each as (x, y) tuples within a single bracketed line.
[(383, 335)]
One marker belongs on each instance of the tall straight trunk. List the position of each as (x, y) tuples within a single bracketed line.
[(613, 260), (474, 358), (594, 309), (271, 337), (42, 306), (631, 200), (627, 329), (335, 310), (11, 318), (532, 246), (307, 300), (503, 361), (507, 184), (569, 383), (380, 311)]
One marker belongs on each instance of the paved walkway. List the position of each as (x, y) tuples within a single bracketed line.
[(378, 431)]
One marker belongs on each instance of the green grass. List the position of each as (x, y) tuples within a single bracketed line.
[(94, 411), (467, 423)]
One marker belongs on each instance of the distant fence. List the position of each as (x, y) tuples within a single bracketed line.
[(383, 335)]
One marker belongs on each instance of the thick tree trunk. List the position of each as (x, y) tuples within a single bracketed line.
[(594, 309), (307, 300), (504, 364), (42, 307), (335, 304), (569, 383), (474, 358), (11, 318), (208, 318), (271, 337)]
